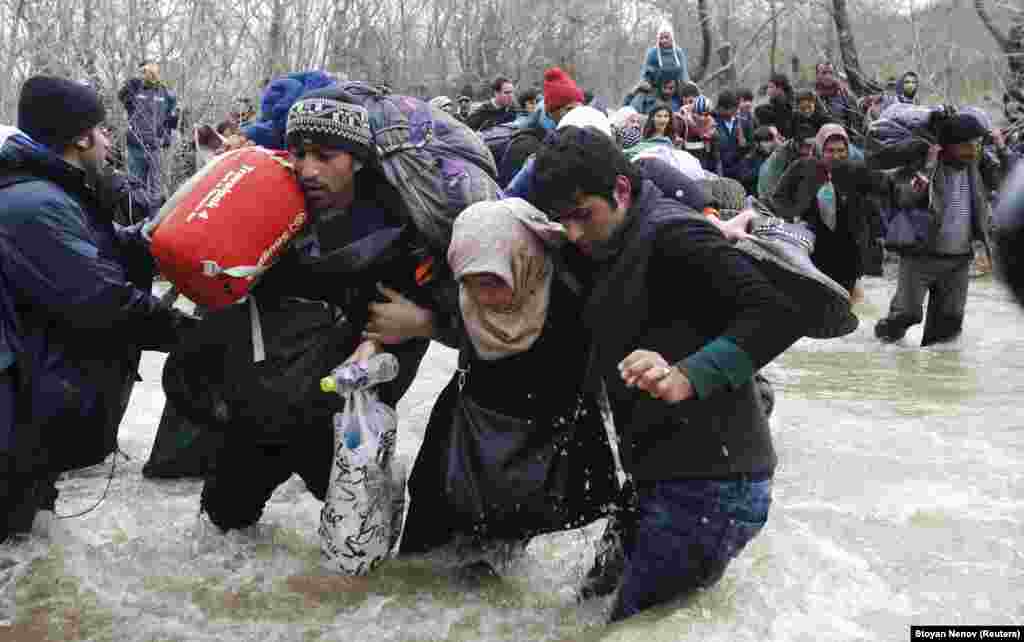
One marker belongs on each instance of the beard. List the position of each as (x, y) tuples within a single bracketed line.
[(96, 172)]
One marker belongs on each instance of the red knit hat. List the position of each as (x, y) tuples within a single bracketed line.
[(559, 89)]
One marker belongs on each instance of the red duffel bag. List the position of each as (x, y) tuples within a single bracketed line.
[(227, 225)]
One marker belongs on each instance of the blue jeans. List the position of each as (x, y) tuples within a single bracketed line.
[(685, 534), (144, 164)]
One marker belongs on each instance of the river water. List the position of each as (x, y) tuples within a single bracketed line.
[(899, 500)]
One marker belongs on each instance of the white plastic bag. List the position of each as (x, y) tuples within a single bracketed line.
[(365, 504)]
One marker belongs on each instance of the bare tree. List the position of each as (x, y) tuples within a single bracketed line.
[(1011, 43), (860, 84)]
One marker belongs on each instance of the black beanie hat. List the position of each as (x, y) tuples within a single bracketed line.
[(960, 128), (53, 111)]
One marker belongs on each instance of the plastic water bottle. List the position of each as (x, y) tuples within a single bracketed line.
[(351, 377), (349, 429)]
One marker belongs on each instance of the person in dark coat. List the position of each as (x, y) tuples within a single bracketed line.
[(833, 195), (523, 356), (73, 312), (733, 134), (906, 88), (778, 111), (766, 140), (833, 95), (1008, 235), (152, 117), (500, 109), (691, 428), (948, 209), (360, 253)]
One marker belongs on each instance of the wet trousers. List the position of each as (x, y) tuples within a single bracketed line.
[(686, 531), (247, 473), (22, 492), (944, 280)]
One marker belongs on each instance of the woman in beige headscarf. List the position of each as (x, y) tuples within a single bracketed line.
[(524, 356)]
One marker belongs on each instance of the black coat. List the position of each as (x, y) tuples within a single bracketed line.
[(542, 384), (368, 244), (844, 252), (676, 286)]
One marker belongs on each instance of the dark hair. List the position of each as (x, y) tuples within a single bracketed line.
[(745, 94), (726, 100), (763, 134), (498, 83), (579, 161), (689, 90), (670, 129), (526, 95), (782, 81)]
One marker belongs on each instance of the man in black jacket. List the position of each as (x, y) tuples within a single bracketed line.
[(498, 110), (360, 253), (681, 321)]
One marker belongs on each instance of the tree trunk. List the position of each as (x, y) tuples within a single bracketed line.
[(274, 40), (860, 84), (89, 50), (775, 36), (1011, 43), (9, 57), (706, 38)]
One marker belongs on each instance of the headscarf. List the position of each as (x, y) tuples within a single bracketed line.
[(666, 28), (585, 116), (827, 131), (507, 238)]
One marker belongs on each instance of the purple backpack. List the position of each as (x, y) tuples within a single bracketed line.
[(438, 165)]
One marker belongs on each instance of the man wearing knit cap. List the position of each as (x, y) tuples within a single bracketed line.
[(360, 253), (71, 321), (561, 94), (947, 210)]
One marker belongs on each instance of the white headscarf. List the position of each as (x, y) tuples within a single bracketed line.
[(585, 116), (666, 28), (506, 238)]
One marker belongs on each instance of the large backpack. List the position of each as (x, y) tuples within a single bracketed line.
[(438, 165), (901, 136), (497, 139)]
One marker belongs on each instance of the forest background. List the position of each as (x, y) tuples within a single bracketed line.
[(212, 52)]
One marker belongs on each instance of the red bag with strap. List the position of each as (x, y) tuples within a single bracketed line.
[(227, 225)]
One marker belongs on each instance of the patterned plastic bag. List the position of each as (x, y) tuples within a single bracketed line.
[(365, 504)]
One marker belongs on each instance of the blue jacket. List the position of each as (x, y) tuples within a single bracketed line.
[(729, 149), (152, 114), (657, 69), (72, 322)]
